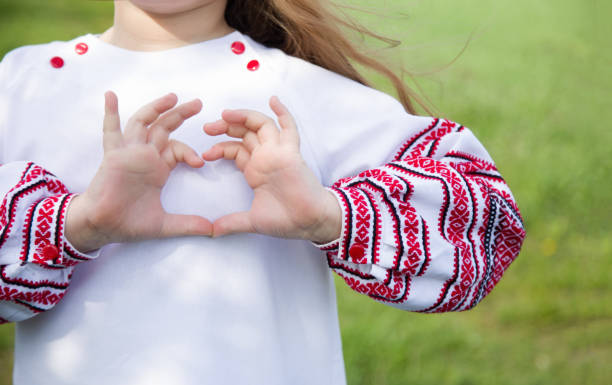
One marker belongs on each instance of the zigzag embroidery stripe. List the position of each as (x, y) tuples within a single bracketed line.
[(504, 202), (456, 234), (31, 307), (30, 284), (410, 142), (446, 286), (434, 145), (73, 254), (468, 235), (25, 250), (471, 158), (59, 215), (339, 264), (493, 213), (374, 231), (343, 250), (402, 297), (445, 206), (383, 194), (16, 196), (485, 175), (426, 254)]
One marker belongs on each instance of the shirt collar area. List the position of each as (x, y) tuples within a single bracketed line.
[(220, 44), (88, 51)]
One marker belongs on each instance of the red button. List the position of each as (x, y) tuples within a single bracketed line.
[(237, 47), (253, 65), (49, 252), (81, 48), (357, 252), (57, 62)]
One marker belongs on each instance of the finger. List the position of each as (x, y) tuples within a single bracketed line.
[(179, 152), (255, 121), (231, 151), (232, 224), (220, 127), (176, 225), (170, 121), (289, 132), (111, 127), (136, 128)]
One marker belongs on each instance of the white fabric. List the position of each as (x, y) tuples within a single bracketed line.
[(241, 309)]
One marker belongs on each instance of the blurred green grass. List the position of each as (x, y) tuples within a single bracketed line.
[(534, 84)]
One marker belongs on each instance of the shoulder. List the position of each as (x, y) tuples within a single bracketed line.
[(319, 95), (335, 98), (346, 125), (29, 56), (307, 79), (33, 58)]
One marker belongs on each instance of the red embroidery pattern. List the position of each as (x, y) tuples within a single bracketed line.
[(44, 251), (411, 142), (43, 238), (363, 217), (501, 240), (420, 149), (477, 218), (473, 163), (456, 225), (395, 293), (376, 189), (28, 184), (409, 231), (45, 229), (44, 299)]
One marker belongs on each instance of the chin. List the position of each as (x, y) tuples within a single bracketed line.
[(173, 6)]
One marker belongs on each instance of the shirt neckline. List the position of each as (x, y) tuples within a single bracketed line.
[(212, 44)]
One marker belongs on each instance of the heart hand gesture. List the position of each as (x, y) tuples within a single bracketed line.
[(288, 201), (122, 202)]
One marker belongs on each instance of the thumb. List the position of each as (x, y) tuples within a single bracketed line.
[(112, 137), (232, 224), (177, 225)]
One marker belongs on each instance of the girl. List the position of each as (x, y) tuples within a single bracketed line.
[(195, 274)]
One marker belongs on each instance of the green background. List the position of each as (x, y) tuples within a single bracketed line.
[(534, 84)]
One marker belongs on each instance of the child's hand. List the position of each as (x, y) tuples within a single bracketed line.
[(122, 203), (289, 201)]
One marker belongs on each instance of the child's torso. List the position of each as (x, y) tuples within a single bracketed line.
[(240, 309)]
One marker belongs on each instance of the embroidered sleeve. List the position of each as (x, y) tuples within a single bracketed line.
[(36, 260), (431, 231)]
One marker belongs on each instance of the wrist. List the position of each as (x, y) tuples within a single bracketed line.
[(79, 230), (329, 227)]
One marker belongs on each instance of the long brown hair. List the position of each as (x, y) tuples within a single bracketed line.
[(308, 29)]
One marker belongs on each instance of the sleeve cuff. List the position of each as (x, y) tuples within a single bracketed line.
[(44, 242), (359, 240)]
